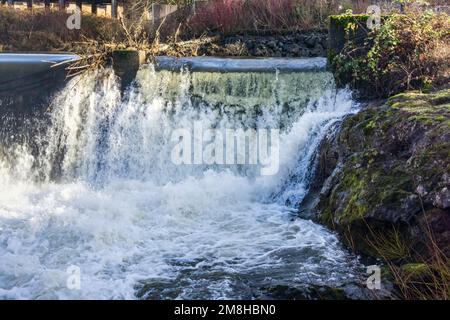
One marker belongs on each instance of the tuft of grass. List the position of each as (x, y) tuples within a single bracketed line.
[(390, 245), (417, 277)]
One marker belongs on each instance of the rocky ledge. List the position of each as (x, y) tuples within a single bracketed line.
[(308, 43), (385, 178)]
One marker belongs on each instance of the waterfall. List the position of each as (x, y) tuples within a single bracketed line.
[(97, 188)]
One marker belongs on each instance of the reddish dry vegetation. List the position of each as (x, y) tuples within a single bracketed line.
[(40, 31), (227, 16)]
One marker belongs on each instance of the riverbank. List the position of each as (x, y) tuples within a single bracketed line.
[(385, 188), (382, 181), (48, 33)]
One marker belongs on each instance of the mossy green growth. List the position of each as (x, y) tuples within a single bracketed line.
[(405, 99), (369, 187), (428, 108), (415, 270), (345, 20)]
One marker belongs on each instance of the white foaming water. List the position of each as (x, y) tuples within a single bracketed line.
[(103, 194)]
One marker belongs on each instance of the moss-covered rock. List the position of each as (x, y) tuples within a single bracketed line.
[(393, 176)]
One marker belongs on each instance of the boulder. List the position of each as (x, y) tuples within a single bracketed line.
[(391, 178)]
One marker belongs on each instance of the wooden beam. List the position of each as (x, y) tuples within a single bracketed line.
[(30, 4)]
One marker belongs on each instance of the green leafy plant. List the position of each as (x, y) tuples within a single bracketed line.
[(409, 51)]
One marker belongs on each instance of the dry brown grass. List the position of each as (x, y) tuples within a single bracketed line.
[(426, 278), (42, 31), (417, 276)]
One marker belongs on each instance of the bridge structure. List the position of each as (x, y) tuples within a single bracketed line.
[(156, 13), (62, 4)]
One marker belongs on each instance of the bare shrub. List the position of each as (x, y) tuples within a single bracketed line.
[(232, 16)]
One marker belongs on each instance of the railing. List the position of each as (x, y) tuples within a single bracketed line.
[(157, 13), (62, 4)]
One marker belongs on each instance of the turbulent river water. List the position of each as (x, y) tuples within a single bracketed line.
[(95, 188)]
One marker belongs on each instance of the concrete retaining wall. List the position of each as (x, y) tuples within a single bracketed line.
[(28, 80), (344, 29), (126, 64), (213, 64), (161, 11)]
